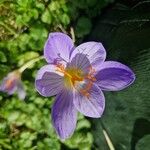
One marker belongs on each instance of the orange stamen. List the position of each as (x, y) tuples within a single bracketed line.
[(9, 83), (75, 76), (61, 69)]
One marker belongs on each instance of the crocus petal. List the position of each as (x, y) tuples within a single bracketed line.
[(58, 47), (8, 85), (64, 115), (49, 82), (94, 51), (92, 106), (114, 76), (20, 90), (81, 62)]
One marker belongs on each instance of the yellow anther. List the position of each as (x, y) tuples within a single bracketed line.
[(74, 75)]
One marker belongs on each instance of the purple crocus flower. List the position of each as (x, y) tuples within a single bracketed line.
[(12, 83), (77, 77)]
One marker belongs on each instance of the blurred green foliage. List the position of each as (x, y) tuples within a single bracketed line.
[(24, 27)]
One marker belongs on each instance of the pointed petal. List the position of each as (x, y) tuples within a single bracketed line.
[(58, 46), (64, 115), (114, 76), (8, 85), (80, 61), (21, 91), (92, 106), (49, 82), (94, 51)]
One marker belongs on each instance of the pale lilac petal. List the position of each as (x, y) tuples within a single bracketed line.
[(8, 89), (48, 81), (12, 89), (64, 114), (114, 76), (21, 91), (92, 106), (81, 62), (58, 47), (94, 51)]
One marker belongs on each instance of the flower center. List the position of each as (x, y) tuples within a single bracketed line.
[(12, 78), (9, 83), (77, 79)]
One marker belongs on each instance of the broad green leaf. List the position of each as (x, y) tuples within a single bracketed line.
[(124, 32), (143, 144)]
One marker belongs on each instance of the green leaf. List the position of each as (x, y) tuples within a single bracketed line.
[(54, 5), (83, 27), (47, 143), (82, 136), (83, 124), (91, 3), (4, 70), (26, 17), (65, 19), (34, 13), (46, 17), (40, 6), (79, 140), (23, 3), (22, 59), (2, 57), (143, 144)]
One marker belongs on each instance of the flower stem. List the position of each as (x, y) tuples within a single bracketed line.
[(61, 28), (107, 138), (72, 34), (29, 63)]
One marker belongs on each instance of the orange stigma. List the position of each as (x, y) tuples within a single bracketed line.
[(74, 76), (9, 83)]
